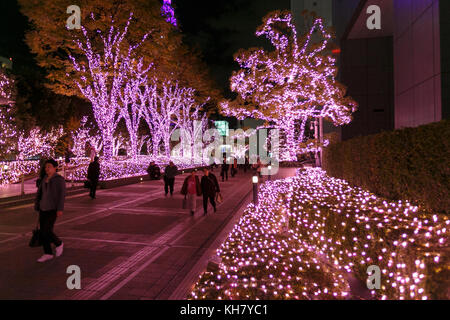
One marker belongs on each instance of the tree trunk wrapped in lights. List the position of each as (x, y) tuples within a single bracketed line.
[(192, 124), (133, 103), (104, 74), (296, 81), (160, 113)]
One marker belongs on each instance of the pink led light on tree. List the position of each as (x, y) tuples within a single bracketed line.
[(104, 73), (168, 12), (160, 113), (192, 124), (133, 103), (84, 136), (38, 142), (294, 82), (7, 88), (8, 134)]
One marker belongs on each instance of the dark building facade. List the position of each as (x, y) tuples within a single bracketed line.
[(398, 74)]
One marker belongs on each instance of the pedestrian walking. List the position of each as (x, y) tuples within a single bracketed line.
[(257, 167), (234, 167), (169, 177), (191, 189), (210, 187), (246, 164), (50, 205), (153, 171), (93, 177), (224, 170)]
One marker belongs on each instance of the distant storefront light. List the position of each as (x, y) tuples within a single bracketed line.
[(222, 127)]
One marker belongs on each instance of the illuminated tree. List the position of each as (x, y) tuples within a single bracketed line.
[(38, 142), (192, 124), (85, 135), (160, 113), (8, 133), (168, 12), (104, 74), (7, 88), (48, 18), (294, 82), (133, 103), (144, 139)]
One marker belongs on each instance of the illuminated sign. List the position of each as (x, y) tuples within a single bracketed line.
[(222, 127)]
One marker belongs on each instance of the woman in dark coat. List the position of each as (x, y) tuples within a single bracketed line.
[(210, 186), (191, 189)]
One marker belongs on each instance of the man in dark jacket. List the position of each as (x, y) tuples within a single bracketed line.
[(93, 176), (49, 203), (224, 170), (169, 177), (210, 186), (154, 171)]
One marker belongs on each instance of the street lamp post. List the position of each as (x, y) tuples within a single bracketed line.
[(255, 190), (270, 173)]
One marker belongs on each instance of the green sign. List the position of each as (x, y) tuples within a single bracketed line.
[(222, 127)]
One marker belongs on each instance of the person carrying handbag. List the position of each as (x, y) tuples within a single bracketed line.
[(210, 187), (191, 189), (49, 203)]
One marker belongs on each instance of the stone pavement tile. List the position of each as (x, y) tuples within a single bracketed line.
[(93, 243), (197, 236), (25, 219), (100, 201), (5, 236), (21, 277), (140, 189), (124, 224), (168, 203)]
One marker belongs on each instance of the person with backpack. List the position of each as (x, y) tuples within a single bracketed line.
[(93, 177), (210, 186), (191, 189), (49, 203)]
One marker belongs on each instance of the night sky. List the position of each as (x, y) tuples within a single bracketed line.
[(219, 28)]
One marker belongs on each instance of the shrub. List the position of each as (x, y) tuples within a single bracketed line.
[(409, 164)]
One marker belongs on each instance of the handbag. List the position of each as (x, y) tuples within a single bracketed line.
[(219, 198), (184, 204), (36, 239), (87, 184)]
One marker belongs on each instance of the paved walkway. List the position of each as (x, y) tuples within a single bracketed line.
[(29, 187), (13, 190), (130, 243)]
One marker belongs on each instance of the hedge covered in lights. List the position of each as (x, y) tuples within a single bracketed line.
[(11, 171), (309, 231), (412, 163), (116, 168)]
